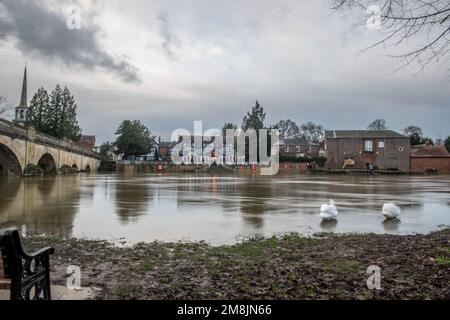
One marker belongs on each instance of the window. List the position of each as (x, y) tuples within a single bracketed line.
[(400, 149), (368, 146), (381, 144), (298, 148)]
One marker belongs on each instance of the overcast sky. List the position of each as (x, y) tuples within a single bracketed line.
[(169, 63)]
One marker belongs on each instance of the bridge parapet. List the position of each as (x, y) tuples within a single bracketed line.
[(14, 131)]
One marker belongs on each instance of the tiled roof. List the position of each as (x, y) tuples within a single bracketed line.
[(84, 139), (297, 141), (429, 151), (166, 144), (362, 134)]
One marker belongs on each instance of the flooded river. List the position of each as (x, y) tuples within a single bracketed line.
[(218, 209)]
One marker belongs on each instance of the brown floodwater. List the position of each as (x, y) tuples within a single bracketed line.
[(219, 209)]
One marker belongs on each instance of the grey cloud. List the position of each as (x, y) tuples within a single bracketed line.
[(40, 31), (170, 40)]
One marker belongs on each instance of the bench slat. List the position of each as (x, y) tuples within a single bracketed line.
[(5, 284)]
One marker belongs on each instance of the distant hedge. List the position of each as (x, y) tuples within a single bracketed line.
[(318, 159)]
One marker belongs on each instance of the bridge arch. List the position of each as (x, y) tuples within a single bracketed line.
[(9, 163), (48, 164), (88, 169), (74, 167)]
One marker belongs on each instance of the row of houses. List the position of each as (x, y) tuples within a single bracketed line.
[(292, 148), (361, 150), (344, 149)]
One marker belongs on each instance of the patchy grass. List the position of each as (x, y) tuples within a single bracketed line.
[(290, 266), (350, 266), (443, 261)]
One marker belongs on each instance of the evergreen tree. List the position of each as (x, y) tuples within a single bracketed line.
[(68, 124), (134, 138), (39, 110), (56, 114), (61, 115), (447, 143), (55, 109), (255, 118)]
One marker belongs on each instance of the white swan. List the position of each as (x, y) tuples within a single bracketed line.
[(391, 211), (328, 211)]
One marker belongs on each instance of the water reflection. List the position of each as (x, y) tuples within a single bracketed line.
[(131, 200), (45, 205), (328, 225), (218, 209), (9, 187), (253, 198), (391, 224)]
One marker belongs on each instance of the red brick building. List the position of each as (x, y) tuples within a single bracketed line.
[(357, 149), (165, 149), (87, 142), (430, 158), (298, 147)]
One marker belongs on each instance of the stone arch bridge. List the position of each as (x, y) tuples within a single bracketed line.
[(21, 147)]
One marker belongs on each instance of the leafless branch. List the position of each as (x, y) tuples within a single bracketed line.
[(426, 21), (4, 108)]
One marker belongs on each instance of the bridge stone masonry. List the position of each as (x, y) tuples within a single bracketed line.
[(22, 146)]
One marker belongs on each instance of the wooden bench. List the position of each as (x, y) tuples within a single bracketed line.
[(29, 275)]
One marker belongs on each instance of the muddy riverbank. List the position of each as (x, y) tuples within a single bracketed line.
[(289, 267)]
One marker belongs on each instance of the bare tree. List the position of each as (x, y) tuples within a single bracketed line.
[(427, 21), (410, 130), (4, 107), (379, 124), (287, 128), (313, 132)]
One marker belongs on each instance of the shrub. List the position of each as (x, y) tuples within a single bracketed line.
[(66, 169), (33, 170), (318, 159)]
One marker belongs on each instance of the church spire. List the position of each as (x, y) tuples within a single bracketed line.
[(23, 98), (22, 108)]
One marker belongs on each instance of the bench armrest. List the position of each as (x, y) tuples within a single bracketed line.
[(42, 252)]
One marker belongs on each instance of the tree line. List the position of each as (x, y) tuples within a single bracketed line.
[(255, 119), (415, 134)]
